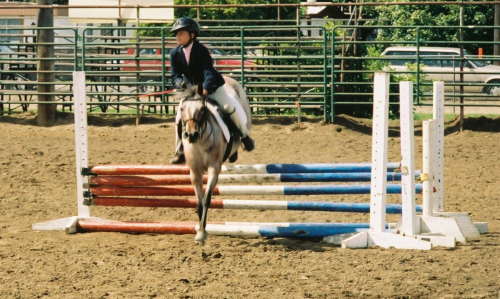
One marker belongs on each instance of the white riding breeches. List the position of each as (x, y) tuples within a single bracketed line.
[(231, 106)]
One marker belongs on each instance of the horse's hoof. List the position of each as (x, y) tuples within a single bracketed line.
[(201, 243), (179, 158), (200, 238)]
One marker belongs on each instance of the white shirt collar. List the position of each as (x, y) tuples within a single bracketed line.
[(187, 51)]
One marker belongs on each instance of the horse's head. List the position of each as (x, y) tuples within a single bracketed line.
[(194, 116)]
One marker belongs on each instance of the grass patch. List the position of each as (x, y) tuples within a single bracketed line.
[(449, 116), (425, 116)]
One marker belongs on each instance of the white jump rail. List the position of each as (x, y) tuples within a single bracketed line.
[(68, 224), (433, 228)]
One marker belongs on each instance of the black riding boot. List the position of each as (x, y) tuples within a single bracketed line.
[(248, 143), (234, 157), (179, 157)]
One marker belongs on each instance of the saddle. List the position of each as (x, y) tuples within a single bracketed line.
[(227, 126), (221, 118)]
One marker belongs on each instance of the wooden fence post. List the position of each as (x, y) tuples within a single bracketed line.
[(46, 112)]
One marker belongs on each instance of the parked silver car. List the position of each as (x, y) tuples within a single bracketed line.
[(442, 64)]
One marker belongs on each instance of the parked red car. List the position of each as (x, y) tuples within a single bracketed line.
[(147, 51), (150, 65)]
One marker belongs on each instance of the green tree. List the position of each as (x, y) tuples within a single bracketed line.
[(268, 15), (392, 16), (434, 15), (207, 15), (238, 13)]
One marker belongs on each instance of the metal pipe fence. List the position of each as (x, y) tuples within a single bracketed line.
[(279, 66)]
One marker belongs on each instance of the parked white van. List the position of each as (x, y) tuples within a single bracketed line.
[(438, 65)]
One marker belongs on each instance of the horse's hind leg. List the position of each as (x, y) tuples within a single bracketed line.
[(213, 177)]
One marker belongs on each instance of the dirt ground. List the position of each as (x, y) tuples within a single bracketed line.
[(37, 174)]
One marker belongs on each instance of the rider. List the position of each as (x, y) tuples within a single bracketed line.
[(191, 63)]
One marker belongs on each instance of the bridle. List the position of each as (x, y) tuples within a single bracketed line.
[(200, 124)]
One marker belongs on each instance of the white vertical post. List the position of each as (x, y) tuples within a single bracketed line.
[(81, 139), (429, 154), (434, 149), (409, 224), (438, 103), (378, 194)]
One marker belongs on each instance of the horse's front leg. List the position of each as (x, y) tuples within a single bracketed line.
[(213, 177), (197, 182)]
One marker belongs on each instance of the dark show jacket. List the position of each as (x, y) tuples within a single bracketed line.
[(199, 70)]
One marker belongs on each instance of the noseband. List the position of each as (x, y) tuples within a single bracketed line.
[(199, 130)]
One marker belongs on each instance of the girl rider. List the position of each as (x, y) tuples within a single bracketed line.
[(191, 62)]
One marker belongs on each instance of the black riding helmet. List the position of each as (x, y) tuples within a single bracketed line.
[(188, 24)]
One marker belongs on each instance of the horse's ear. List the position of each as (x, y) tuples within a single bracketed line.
[(182, 95), (200, 89), (190, 90)]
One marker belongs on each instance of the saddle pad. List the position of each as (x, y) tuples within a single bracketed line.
[(215, 112)]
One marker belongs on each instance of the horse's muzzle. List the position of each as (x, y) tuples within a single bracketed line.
[(192, 137)]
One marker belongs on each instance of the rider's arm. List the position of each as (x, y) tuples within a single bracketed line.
[(175, 68), (209, 72)]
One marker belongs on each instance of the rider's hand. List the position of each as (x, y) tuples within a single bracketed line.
[(205, 92)]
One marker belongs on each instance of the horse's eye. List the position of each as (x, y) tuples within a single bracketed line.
[(182, 109)]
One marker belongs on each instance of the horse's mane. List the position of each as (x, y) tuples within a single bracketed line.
[(188, 93)]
